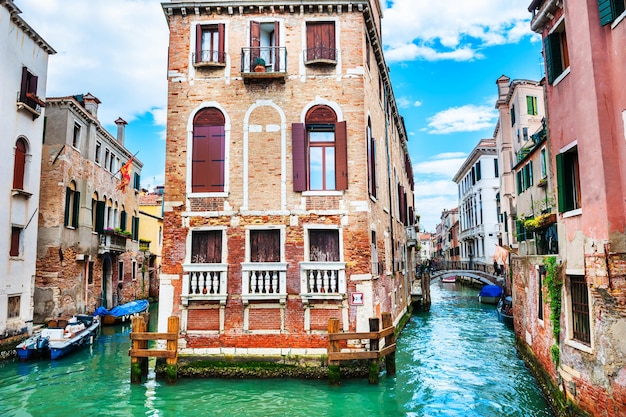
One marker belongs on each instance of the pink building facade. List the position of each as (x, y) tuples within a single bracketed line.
[(585, 55)]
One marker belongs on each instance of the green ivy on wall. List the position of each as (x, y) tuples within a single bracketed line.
[(554, 284)]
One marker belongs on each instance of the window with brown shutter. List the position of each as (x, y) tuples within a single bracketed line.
[(324, 245), (265, 245), (206, 246), (19, 164), (16, 235), (208, 152), (210, 44), (320, 43)]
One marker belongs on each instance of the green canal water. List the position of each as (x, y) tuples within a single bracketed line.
[(456, 360)]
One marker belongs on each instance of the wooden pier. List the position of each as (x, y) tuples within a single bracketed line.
[(139, 352), (375, 352)]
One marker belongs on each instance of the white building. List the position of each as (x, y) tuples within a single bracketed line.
[(478, 185), (521, 110), (23, 71)]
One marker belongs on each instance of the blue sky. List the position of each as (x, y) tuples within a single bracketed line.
[(444, 58)]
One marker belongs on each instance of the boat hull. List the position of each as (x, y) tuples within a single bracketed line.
[(485, 299), (85, 337)]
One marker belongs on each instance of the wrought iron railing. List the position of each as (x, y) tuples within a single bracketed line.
[(262, 59), (209, 57)]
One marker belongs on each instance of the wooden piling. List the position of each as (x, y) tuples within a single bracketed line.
[(138, 364), (334, 373), (171, 364), (390, 358), (374, 345), (139, 352)]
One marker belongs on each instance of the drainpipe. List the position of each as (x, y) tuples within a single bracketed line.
[(389, 172)]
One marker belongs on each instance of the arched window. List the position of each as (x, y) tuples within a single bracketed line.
[(72, 205), (320, 159), (208, 154), (19, 165), (110, 220), (94, 212)]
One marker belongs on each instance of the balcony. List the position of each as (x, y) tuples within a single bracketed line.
[(264, 281), (322, 281), (264, 63), (320, 56), (112, 243), (411, 236), (205, 282), (31, 103)]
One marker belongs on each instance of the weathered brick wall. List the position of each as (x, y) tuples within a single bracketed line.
[(203, 319)]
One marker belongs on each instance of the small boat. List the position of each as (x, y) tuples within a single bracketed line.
[(123, 312), (490, 294), (60, 338), (505, 310), (449, 279)]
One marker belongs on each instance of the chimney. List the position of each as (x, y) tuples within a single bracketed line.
[(91, 104), (121, 125), (503, 89)]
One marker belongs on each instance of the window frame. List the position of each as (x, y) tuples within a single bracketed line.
[(19, 164), (72, 206), (16, 248), (218, 35), (610, 10), (556, 53), (76, 135), (568, 180), (14, 308), (531, 105), (323, 35), (219, 236), (208, 153), (580, 315)]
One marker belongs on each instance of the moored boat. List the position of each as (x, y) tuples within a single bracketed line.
[(36, 346), (123, 312), (80, 331), (449, 279), (490, 294), (505, 310)]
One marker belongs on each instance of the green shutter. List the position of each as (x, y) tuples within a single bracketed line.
[(530, 173), (552, 48), (76, 210), (560, 183), (123, 220), (100, 206), (609, 10), (68, 196)]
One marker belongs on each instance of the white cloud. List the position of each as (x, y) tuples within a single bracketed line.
[(439, 167), (417, 103), (468, 118), (114, 49), (423, 29)]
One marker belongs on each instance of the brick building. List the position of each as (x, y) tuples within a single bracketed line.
[(288, 188), (87, 253), (583, 45), (23, 71)]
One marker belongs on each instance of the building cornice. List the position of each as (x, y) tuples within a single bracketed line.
[(484, 147), (543, 12), (14, 12)]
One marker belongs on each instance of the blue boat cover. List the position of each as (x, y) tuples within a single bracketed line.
[(124, 309), (491, 291)]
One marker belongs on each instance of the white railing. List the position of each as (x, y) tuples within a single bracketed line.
[(264, 281), (206, 282), (112, 243), (322, 280)]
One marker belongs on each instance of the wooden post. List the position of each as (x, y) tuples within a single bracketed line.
[(171, 364), (138, 364), (390, 359), (334, 373), (374, 345)]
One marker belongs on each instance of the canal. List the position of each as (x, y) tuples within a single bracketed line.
[(456, 360)]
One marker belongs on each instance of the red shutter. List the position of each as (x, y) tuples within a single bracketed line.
[(221, 56), (255, 42), (310, 42), (216, 144), (341, 156), (24, 87), (198, 43), (330, 41), (199, 159), (19, 164), (298, 155), (276, 46), (15, 242)]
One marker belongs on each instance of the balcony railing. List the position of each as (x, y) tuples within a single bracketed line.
[(320, 55), (411, 236), (205, 282), (30, 103), (209, 58), (265, 62), (264, 281), (322, 280), (112, 243)]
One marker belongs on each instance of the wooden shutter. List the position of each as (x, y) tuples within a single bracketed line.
[(198, 43), (123, 219), (341, 156), (68, 200), (370, 162), (311, 44), (560, 175), (552, 48), (200, 159), (609, 10), (276, 46), (530, 173), (24, 86), (206, 246), (221, 33), (135, 232), (265, 245), (19, 164), (100, 207), (298, 155), (216, 158), (15, 241), (255, 42), (76, 208)]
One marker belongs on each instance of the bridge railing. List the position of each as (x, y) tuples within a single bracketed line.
[(468, 266)]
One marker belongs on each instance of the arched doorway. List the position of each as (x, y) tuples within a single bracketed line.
[(107, 290)]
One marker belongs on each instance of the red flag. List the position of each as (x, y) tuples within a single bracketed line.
[(125, 173)]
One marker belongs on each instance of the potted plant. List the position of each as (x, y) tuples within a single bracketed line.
[(258, 64)]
